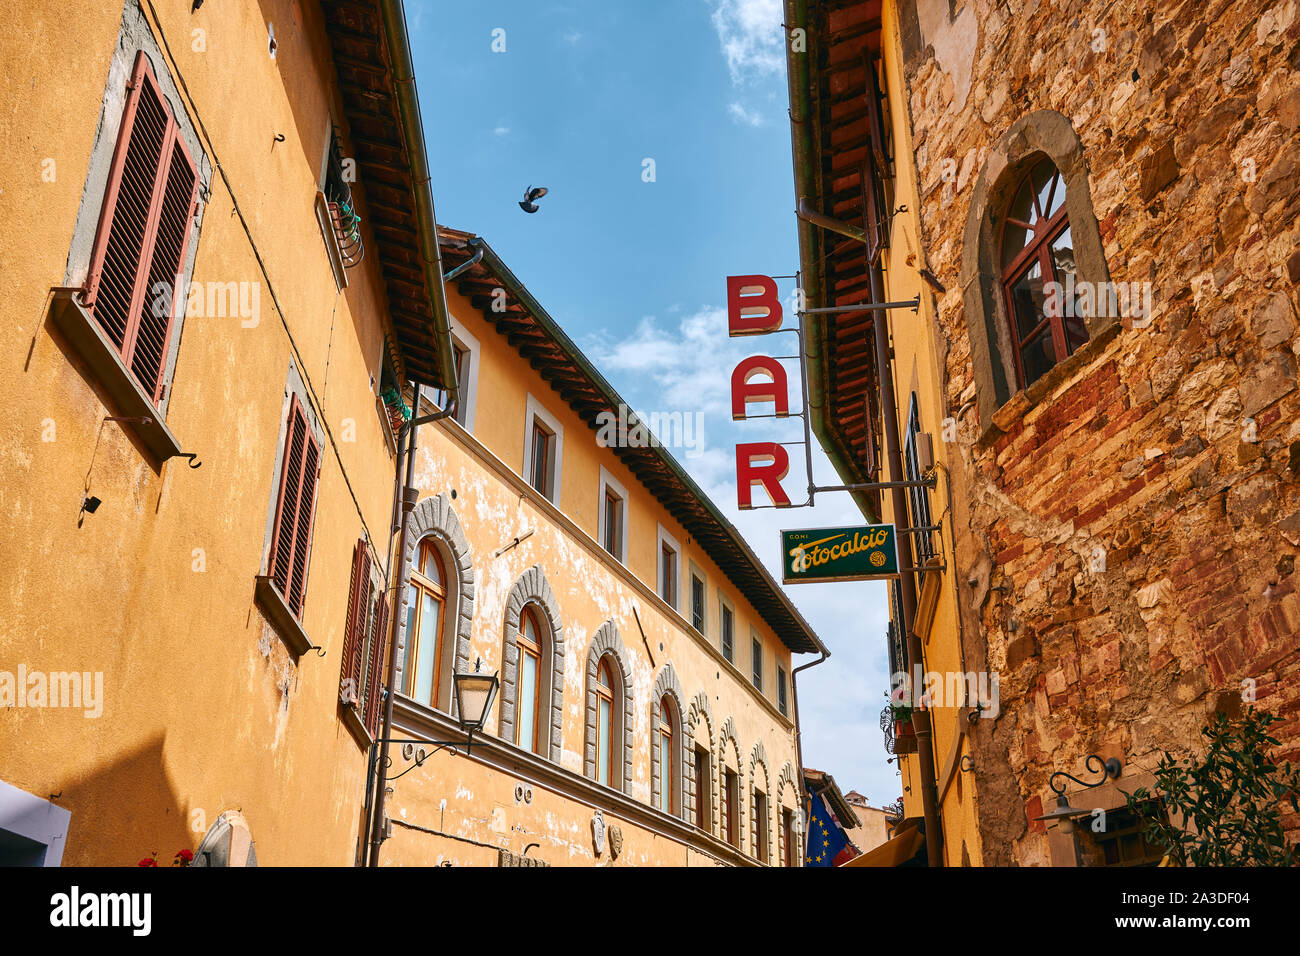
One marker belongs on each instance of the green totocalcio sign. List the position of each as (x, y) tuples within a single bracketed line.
[(856, 553)]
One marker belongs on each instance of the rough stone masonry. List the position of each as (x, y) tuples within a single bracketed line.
[(1128, 525)]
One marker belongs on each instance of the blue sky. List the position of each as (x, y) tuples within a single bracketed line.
[(583, 95)]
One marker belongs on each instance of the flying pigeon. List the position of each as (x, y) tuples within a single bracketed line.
[(530, 194)]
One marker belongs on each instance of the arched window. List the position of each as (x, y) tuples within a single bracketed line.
[(1030, 222), (426, 614), (529, 697), (605, 719), (532, 672), (668, 796), (607, 741), (1036, 251), (669, 745)]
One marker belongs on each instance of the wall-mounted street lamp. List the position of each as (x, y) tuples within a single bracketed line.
[(1064, 814), (474, 695), (475, 692)]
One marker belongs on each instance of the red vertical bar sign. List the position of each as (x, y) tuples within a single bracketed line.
[(754, 308)]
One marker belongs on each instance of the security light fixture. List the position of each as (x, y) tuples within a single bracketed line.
[(90, 504)]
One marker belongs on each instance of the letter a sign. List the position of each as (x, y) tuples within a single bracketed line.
[(754, 308)]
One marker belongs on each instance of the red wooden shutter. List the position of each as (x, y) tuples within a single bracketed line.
[(291, 540), (354, 638), (143, 230), (378, 646)]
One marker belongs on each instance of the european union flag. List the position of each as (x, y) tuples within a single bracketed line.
[(825, 838)]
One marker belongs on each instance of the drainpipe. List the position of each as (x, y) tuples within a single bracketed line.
[(409, 497), (798, 729), (898, 502), (468, 264)]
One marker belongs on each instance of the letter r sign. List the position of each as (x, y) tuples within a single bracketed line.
[(765, 463)]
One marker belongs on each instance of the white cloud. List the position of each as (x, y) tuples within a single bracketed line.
[(744, 116), (751, 37), (501, 131), (573, 37)]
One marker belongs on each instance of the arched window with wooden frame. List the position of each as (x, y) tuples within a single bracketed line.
[(532, 671), (528, 699), (1037, 251), (427, 656), (666, 741), (609, 723), (671, 740), (1036, 175), (605, 720)]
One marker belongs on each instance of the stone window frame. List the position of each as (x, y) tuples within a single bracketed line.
[(535, 411), (434, 517), (725, 602), (695, 573), (664, 537), (532, 589), (607, 643), (701, 709), (1030, 138), (728, 732), (787, 779), (466, 400), (609, 483), (758, 758), (667, 685)]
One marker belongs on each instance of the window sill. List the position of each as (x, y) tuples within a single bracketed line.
[(356, 726), (390, 437), (332, 248), (1008, 417), (280, 617), (125, 397)]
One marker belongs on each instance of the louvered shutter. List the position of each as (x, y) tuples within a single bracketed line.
[(144, 227), (378, 645), (354, 637), (291, 540)]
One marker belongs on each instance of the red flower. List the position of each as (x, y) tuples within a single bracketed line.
[(185, 857), (148, 861)]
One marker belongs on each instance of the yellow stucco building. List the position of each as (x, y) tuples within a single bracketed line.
[(219, 315), (885, 421), (643, 651)]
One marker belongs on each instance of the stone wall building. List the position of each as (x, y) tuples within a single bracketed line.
[(1125, 486), (1097, 205)]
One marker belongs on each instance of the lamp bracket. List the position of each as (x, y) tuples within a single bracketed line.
[(1109, 769)]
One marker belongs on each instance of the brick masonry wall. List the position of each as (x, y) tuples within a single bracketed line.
[(1133, 533)]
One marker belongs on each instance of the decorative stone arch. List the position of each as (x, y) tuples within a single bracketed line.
[(1033, 136), (728, 733), (607, 642), (667, 685), (435, 518), (757, 762), (784, 782), (702, 710), (532, 588)]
